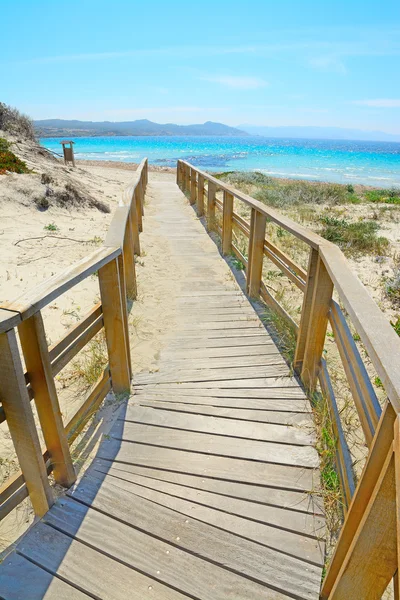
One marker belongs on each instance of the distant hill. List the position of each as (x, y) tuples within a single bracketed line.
[(73, 128), (320, 133)]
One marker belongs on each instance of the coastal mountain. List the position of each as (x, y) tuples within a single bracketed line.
[(319, 133), (73, 128)]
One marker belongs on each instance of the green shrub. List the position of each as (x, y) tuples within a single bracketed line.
[(391, 196), (354, 237), (8, 160), (14, 122)]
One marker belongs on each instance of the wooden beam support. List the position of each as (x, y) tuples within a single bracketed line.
[(193, 187), (21, 424), (306, 310), (316, 326), (138, 203), (133, 217), (227, 223), (112, 299), (200, 196), (129, 262), (40, 373), (211, 206), (256, 253)]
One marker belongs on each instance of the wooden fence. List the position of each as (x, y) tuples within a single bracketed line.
[(115, 264), (366, 556)]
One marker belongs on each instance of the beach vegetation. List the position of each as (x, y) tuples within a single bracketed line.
[(354, 237), (51, 227), (390, 196), (9, 163), (16, 123)]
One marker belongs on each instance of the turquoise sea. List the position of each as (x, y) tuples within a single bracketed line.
[(342, 161)]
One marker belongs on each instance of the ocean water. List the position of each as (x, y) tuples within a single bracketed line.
[(341, 161)]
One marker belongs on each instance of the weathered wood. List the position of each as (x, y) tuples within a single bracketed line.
[(270, 251), (373, 468), (72, 334), (227, 223), (317, 325), (371, 560), (34, 300), (89, 406), (200, 196), (19, 575), (306, 310), (256, 253), (16, 404), (215, 545), (138, 203), (276, 307), (211, 191), (68, 354), (114, 324), (37, 361), (193, 187), (129, 263), (363, 393)]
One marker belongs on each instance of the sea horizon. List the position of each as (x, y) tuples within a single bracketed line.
[(338, 161)]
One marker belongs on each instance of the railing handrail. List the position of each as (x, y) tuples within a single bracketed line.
[(376, 333)]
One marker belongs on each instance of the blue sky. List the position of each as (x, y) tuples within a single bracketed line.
[(330, 63)]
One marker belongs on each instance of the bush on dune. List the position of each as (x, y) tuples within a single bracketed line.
[(15, 123), (8, 161), (354, 237)]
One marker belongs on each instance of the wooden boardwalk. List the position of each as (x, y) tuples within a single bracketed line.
[(202, 490)]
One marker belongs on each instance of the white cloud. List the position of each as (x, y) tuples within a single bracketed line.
[(237, 82), (328, 63), (380, 102)]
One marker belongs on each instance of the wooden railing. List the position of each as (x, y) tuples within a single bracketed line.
[(365, 557), (115, 265)]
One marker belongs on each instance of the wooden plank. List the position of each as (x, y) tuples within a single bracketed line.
[(193, 187), (129, 262), (286, 405), (113, 315), (138, 200), (211, 326), (215, 425), (73, 333), (276, 307), (259, 382), (81, 566), (363, 393), (89, 406), (256, 242), (284, 258), (200, 196), (134, 225), (275, 570), (232, 516), (211, 191), (76, 346), (222, 467), (306, 309), (207, 353), (16, 404), (37, 360), (301, 502), (156, 558), (17, 575), (166, 365), (372, 325), (371, 560), (183, 375), (227, 223), (317, 325), (34, 300), (132, 434), (245, 414), (243, 394), (372, 470)]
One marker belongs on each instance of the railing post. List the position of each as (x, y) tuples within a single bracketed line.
[(138, 203), (129, 262), (306, 310), (21, 424), (38, 366), (256, 253), (117, 337), (227, 223), (134, 227), (193, 186), (186, 179), (200, 195), (211, 206), (179, 173), (317, 325), (124, 297)]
